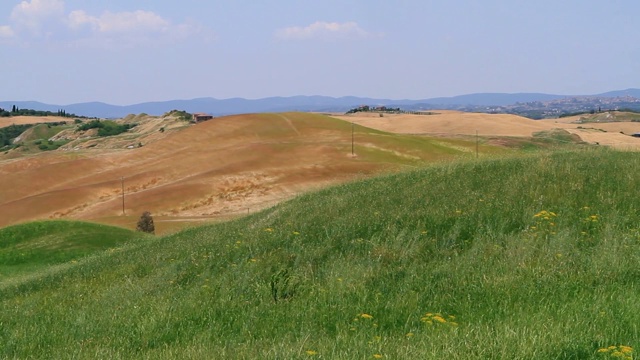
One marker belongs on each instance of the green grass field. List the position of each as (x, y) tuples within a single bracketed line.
[(35, 246), (527, 257)]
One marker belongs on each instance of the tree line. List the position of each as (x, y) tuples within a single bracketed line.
[(106, 128), (16, 111)]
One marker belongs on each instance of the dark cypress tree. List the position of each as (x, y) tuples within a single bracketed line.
[(145, 224)]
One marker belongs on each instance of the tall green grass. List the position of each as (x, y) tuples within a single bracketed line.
[(517, 258)]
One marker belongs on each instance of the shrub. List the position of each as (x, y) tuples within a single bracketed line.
[(145, 224), (105, 128)]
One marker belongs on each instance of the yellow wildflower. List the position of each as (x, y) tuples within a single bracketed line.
[(439, 319), (312, 352), (409, 334), (377, 356), (366, 316), (626, 349)]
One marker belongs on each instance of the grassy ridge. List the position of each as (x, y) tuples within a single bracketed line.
[(31, 247), (524, 258)]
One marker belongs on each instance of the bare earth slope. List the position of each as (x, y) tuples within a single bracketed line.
[(229, 165)]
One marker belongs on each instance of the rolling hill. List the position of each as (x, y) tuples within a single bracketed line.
[(225, 167), (235, 165), (611, 129), (30, 249), (523, 257)]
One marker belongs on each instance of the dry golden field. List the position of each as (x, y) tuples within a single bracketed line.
[(451, 123), (213, 170), (21, 120)]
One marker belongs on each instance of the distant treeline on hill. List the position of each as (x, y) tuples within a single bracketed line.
[(591, 112), (15, 111), (384, 109)]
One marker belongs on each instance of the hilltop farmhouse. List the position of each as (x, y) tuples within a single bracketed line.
[(199, 117)]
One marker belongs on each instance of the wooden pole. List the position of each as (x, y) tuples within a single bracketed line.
[(122, 180), (352, 149)]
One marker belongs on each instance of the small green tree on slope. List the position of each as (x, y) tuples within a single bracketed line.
[(145, 224)]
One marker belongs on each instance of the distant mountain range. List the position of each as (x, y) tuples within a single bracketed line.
[(218, 107)]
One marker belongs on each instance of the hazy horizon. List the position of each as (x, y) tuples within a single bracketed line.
[(129, 52)]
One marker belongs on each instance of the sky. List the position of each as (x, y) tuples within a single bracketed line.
[(131, 51)]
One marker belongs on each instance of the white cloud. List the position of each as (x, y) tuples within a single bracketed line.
[(126, 29), (323, 30), (6, 31), (122, 22), (35, 14), (38, 19)]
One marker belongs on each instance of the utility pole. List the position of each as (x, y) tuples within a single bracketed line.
[(122, 180), (352, 150)]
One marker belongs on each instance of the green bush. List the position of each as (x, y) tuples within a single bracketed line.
[(106, 128)]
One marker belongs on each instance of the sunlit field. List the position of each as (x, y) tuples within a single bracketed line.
[(527, 257)]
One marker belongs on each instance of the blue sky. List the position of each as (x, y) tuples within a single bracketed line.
[(130, 51)]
